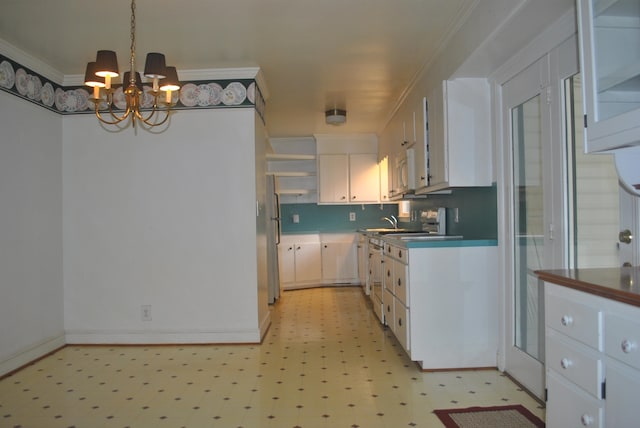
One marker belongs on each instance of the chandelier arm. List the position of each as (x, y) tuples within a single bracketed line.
[(117, 119), (155, 110)]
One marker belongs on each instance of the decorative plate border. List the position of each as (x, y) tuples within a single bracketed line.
[(32, 86)]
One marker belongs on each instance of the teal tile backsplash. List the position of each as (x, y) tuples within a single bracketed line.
[(477, 212), (334, 218)]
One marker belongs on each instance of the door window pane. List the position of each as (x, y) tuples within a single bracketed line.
[(528, 211)]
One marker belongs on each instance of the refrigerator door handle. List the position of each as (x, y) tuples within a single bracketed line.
[(277, 219)]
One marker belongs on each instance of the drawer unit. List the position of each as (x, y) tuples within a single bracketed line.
[(579, 364), (577, 320), (592, 360), (569, 406), (622, 340)]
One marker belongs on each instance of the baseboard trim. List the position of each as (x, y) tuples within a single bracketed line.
[(30, 355), (75, 337)]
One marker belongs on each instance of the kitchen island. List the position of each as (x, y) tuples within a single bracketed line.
[(592, 339)]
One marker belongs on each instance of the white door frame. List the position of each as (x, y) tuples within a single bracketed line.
[(559, 33)]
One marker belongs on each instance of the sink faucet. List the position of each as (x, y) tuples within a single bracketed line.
[(392, 220)]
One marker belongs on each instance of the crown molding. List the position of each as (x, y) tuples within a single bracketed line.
[(31, 62)]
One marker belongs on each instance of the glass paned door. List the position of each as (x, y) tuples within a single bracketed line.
[(528, 211)]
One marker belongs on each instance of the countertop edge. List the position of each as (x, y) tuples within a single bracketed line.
[(560, 277)]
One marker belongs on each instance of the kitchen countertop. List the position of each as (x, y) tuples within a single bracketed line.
[(620, 284)]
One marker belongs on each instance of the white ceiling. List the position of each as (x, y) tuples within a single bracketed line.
[(359, 55), (355, 54)]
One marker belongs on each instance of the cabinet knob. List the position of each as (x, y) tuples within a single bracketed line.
[(353, 197), (566, 320), (400, 322), (586, 420), (389, 273), (628, 346), (399, 282), (565, 363), (343, 198)]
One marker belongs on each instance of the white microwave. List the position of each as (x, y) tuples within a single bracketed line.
[(404, 173)]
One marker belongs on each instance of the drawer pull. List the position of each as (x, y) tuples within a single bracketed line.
[(628, 346), (586, 420), (566, 320), (565, 363)]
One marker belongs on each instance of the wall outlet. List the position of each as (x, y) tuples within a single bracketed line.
[(296, 218), (352, 216), (456, 215), (145, 312)]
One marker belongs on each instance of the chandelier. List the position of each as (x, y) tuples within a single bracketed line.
[(149, 108)]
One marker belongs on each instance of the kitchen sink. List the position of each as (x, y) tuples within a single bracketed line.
[(387, 230)]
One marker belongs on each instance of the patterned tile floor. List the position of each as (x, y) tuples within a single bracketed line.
[(325, 362)]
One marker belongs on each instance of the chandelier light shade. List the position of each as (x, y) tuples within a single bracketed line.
[(99, 75), (93, 81)]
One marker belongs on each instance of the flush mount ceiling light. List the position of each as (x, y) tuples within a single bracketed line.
[(335, 116), (99, 74)]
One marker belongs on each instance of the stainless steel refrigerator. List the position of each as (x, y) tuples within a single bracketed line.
[(273, 238)]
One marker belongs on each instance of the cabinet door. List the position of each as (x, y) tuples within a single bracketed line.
[(308, 262), (384, 179), (621, 405), (421, 129), (339, 262), (286, 255), (333, 178), (363, 257), (437, 153), (610, 42), (570, 406), (364, 178)]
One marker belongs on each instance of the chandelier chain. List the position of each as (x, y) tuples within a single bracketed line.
[(132, 76)]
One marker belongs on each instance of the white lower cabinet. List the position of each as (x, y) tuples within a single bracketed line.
[(300, 261), (340, 259), (441, 303), (318, 259), (592, 360)]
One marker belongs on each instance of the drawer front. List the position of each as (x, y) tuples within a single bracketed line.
[(401, 254), (622, 339), (387, 273), (569, 407), (578, 321), (402, 325), (400, 282), (579, 364), (389, 314)]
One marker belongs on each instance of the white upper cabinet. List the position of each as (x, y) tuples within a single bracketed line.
[(348, 178), (457, 141), (348, 171), (364, 178), (333, 179), (610, 55)]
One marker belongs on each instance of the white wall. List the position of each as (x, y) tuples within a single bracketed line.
[(31, 283), (166, 220)]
